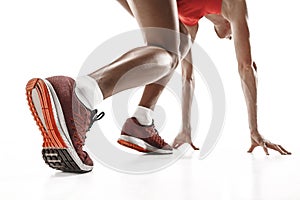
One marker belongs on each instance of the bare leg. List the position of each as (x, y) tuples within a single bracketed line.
[(147, 64), (137, 67), (153, 91)]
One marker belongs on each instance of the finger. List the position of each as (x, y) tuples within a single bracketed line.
[(252, 148), (193, 146), (275, 147), (265, 148), (287, 152), (280, 150)]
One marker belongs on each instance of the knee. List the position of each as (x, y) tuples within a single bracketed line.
[(166, 39), (164, 57), (175, 58)]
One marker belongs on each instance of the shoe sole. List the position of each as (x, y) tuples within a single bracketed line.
[(140, 145), (58, 151)]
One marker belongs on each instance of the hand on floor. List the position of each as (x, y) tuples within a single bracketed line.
[(258, 140), (183, 137)]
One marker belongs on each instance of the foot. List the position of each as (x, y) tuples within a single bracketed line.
[(143, 138), (63, 121)]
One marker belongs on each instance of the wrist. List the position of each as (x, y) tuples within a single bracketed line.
[(186, 128), (253, 131)]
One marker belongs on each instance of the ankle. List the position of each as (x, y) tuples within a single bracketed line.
[(143, 115), (88, 92)]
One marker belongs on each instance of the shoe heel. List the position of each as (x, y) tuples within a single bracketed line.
[(50, 133), (31, 84), (60, 159), (55, 152)]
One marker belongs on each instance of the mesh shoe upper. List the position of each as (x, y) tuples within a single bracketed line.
[(147, 133), (78, 118)]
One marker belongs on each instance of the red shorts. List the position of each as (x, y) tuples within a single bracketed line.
[(191, 11)]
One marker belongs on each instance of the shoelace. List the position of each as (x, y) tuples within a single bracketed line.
[(95, 117), (157, 137)]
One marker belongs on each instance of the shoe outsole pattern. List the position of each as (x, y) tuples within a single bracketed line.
[(55, 151)]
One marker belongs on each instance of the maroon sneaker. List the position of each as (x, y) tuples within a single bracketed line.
[(143, 138), (63, 121)]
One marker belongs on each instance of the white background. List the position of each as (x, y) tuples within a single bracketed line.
[(45, 38)]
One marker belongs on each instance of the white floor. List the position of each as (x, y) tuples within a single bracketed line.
[(225, 174)]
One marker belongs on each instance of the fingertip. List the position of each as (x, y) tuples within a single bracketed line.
[(267, 153), (193, 146), (250, 149)]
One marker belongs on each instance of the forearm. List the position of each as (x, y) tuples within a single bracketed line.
[(236, 12), (188, 85), (248, 81), (187, 99), (237, 15)]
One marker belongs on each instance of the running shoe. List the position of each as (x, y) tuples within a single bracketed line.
[(63, 121), (143, 138)]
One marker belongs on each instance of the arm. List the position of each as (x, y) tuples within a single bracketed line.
[(221, 25), (247, 69), (188, 85)]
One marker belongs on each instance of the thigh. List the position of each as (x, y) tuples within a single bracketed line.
[(158, 19)]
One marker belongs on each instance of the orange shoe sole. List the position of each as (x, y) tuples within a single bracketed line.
[(56, 153), (140, 145), (132, 146)]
